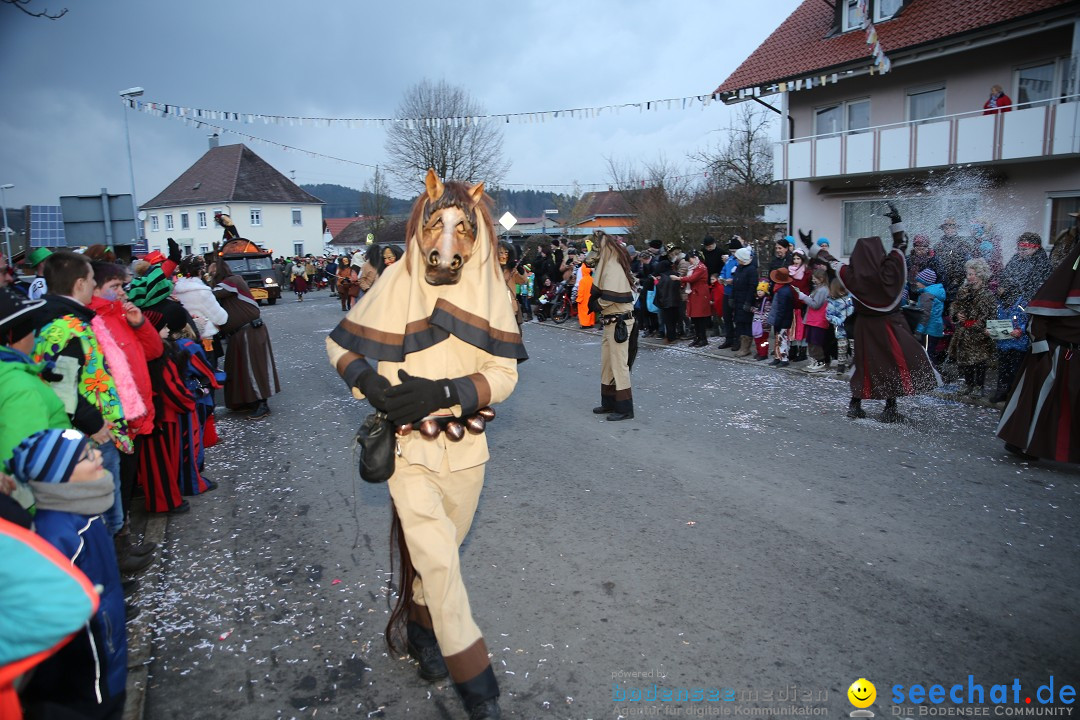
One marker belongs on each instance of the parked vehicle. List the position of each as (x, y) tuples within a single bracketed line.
[(255, 265)]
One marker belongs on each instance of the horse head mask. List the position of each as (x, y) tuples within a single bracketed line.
[(444, 225)]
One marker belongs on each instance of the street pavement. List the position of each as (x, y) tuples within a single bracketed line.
[(740, 534)]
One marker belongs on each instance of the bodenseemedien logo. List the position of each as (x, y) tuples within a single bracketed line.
[(862, 694)]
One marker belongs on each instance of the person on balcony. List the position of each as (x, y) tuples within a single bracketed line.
[(998, 102)]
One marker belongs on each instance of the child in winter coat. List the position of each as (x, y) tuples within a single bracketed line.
[(837, 311), (971, 346), (761, 325), (930, 331), (1011, 351), (781, 315), (88, 676), (815, 322)]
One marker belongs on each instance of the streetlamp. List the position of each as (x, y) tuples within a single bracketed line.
[(127, 95), (7, 230)]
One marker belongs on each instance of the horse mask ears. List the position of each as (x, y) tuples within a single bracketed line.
[(434, 185), (476, 193)]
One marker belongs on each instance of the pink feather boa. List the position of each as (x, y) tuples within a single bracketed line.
[(130, 399)]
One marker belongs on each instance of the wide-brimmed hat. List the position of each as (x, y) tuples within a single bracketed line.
[(780, 276), (36, 256)]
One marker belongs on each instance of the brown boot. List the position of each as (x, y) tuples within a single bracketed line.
[(746, 346)]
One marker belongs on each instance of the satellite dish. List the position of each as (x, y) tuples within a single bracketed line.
[(142, 214)]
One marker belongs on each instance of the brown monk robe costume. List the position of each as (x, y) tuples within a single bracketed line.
[(889, 362), (441, 327)]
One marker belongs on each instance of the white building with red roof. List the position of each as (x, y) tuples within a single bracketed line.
[(918, 133)]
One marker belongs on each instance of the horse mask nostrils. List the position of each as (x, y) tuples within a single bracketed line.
[(449, 230)]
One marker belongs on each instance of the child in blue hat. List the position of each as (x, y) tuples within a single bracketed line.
[(72, 490)]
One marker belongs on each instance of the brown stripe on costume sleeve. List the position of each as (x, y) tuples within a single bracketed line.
[(483, 390)]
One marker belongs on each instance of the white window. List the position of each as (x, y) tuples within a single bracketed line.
[(877, 11), (1060, 220), (852, 20), (850, 116), (297, 249), (203, 249), (155, 224), (922, 215), (169, 222), (185, 224), (926, 104), (256, 217), (296, 218), (201, 219), (885, 9), (1035, 84)]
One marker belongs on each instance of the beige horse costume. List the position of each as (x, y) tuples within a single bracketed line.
[(442, 329)]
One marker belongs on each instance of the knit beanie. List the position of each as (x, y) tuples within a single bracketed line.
[(743, 255), (47, 456), (763, 286), (655, 244), (823, 242), (734, 244), (150, 289), (926, 276)]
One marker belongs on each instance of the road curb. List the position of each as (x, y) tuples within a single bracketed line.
[(715, 353), (140, 631)]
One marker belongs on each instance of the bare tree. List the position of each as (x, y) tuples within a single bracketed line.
[(740, 174), (663, 198), (375, 203), (438, 130), (21, 5)]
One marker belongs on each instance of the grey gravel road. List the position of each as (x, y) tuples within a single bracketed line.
[(740, 536)]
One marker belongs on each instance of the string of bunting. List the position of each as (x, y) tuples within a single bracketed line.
[(192, 121), (202, 114), (881, 60)]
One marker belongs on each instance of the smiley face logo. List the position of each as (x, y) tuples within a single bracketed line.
[(862, 693)]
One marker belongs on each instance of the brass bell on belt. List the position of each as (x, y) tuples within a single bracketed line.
[(475, 424), (487, 413), (429, 428), (455, 430), (403, 430)]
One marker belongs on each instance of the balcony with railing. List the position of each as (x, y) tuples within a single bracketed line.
[(1051, 129)]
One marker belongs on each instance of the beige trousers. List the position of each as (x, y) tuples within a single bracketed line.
[(614, 371), (436, 511)]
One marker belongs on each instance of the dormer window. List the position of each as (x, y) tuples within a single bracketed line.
[(878, 11)]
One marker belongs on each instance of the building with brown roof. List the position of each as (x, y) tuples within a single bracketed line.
[(918, 133), (266, 206), (608, 210)]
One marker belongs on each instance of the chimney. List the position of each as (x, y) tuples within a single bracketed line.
[(213, 140)]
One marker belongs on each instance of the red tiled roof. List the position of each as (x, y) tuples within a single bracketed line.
[(336, 225), (801, 45), (231, 173), (609, 202)]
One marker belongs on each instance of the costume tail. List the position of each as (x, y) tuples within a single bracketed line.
[(395, 626)]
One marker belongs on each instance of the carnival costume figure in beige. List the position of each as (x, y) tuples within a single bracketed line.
[(441, 328), (613, 296)]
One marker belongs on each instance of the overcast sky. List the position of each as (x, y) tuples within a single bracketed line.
[(62, 125)]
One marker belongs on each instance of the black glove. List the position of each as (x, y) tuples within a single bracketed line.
[(174, 252), (807, 239), (417, 397), (899, 241), (893, 214), (593, 303), (374, 387)]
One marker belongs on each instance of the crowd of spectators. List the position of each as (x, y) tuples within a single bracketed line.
[(107, 379), (791, 307)]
